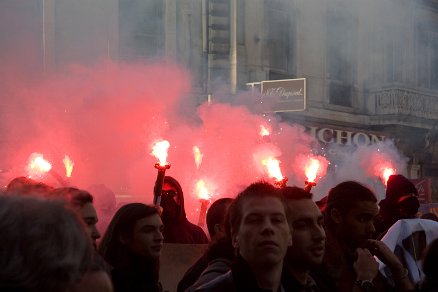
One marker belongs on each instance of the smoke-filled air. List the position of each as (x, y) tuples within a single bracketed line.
[(106, 119)]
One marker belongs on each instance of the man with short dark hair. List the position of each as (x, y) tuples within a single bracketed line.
[(81, 202), (260, 235), (350, 212), (305, 256)]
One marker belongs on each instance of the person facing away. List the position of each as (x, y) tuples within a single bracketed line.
[(132, 246), (348, 259), (177, 229), (400, 202), (260, 235), (304, 258), (216, 229), (43, 246)]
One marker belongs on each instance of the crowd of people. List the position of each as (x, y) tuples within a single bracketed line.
[(265, 238)]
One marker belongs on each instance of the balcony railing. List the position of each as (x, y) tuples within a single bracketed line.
[(398, 101)]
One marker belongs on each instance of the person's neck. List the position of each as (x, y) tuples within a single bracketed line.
[(300, 274), (269, 278)]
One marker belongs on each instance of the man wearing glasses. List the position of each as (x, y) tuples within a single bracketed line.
[(177, 229)]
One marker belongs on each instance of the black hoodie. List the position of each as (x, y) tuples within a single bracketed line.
[(177, 229)]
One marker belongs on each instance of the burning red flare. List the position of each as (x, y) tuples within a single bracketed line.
[(314, 166), (380, 165), (38, 165), (273, 168), (202, 191), (68, 163), (159, 150), (311, 169), (198, 156), (386, 173)]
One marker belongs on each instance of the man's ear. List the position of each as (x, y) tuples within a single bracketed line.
[(336, 216)]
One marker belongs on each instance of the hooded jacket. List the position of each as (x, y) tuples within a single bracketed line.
[(400, 202), (177, 229)]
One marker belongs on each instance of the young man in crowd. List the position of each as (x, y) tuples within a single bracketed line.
[(81, 202), (260, 235), (304, 258), (132, 245), (349, 220)]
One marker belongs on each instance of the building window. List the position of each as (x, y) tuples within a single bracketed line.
[(140, 28), (392, 61), (427, 56), (279, 35), (341, 56)]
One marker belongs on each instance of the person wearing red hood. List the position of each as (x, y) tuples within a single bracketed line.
[(400, 202), (177, 229)]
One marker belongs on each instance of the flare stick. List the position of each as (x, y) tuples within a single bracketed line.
[(309, 185), (281, 183), (203, 212), (159, 182)]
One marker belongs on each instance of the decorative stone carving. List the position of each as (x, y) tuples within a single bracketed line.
[(402, 101)]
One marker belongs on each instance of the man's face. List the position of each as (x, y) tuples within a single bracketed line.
[(147, 237), (170, 202), (308, 235), (88, 214), (171, 191), (357, 225), (263, 235)]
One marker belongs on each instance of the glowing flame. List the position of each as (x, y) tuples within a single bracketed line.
[(198, 156), (38, 165), (386, 173), (273, 167), (311, 169), (202, 190), (159, 150), (68, 163), (314, 166), (264, 131), (380, 165)]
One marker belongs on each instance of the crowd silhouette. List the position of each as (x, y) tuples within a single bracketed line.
[(265, 238)]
